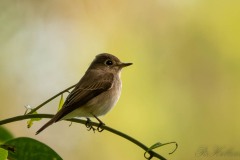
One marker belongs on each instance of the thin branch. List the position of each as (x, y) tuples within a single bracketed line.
[(138, 143), (41, 105)]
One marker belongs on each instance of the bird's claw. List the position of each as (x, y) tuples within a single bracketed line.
[(99, 128), (90, 127)]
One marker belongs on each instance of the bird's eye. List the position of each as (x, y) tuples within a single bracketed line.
[(109, 62)]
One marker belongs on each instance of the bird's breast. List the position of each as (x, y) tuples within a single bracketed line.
[(106, 100)]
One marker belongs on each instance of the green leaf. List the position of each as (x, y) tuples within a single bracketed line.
[(3, 154), (29, 149), (156, 145), (30, 122), (5, 134), (60, 102)]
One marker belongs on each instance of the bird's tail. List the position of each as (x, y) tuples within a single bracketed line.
[(45, 125), (59, 116), (56, 118)]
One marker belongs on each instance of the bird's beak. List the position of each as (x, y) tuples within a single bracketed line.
[(125, 64)]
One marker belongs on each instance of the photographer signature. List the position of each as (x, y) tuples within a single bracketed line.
[(217, 151)]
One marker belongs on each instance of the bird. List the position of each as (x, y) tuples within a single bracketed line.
[(96, 93)]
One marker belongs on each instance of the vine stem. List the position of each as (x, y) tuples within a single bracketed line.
[(114, 131), (121, 134)]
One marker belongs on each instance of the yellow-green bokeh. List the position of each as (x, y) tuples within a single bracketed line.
[(184, 84)]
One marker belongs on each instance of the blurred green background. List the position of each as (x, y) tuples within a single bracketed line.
[(184, 85)]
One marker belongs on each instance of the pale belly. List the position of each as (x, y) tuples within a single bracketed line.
[(99, 105)]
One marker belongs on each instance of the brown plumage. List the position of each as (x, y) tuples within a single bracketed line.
[(96, 93)]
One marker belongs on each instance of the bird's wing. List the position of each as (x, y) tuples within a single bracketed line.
[(85, 90), (88, 87)]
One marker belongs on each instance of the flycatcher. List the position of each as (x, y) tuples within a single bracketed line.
[(96, 92)]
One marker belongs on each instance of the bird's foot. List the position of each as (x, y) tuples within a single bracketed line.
[(101, 124), (89, 126), (100, 127)]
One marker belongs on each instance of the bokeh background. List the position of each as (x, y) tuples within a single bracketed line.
[(183, 86)]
